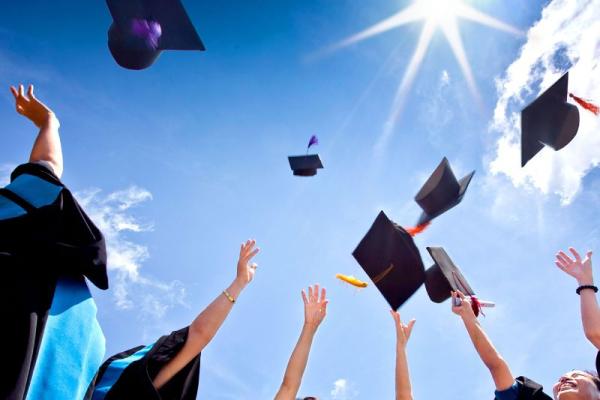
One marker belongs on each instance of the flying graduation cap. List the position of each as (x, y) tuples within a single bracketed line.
[(389, 256), (444, 276), (441, 192), (550, 121), (142, 29), (308, 164)]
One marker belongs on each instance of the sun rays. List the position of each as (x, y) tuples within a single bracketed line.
[(435, 14)]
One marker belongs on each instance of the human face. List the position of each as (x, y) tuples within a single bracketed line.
[(575, 385)]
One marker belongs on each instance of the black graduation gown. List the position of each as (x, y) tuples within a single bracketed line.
[(531, 390), (129, 374), (36, 247)]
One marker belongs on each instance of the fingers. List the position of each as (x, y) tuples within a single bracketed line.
[(21, 91), (315, 298), (13, 90), (575, 254), (396, 317), (247, 250), (588, 255), (30, 92), (408, 328), (559, 265), (323, 296), (252, 254), (310, 294), (459, 293), (304, 299), (564, 257)]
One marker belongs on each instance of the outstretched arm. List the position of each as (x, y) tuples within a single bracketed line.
[(499, 369), (315, 309), (47, 144), (581, 270), (206, 325), (403, 388)]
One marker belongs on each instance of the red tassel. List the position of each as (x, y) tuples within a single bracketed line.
[(417, 229), (476, 306), (586, 104)]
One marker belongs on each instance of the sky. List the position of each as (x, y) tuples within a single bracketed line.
[(180, 163)]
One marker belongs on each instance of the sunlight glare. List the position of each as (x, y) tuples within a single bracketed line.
[(440, 12)]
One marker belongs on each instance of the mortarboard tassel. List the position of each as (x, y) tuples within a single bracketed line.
[(314, 140), (476, 306), (586, 104), (417, 229)]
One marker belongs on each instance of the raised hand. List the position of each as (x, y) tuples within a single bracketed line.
[(465, 309), (245, 270), (315, 307), (577, 268), (402, 331), (31, 107)]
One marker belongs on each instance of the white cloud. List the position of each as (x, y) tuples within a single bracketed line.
[(342, 390), (5, 170), (565, 36), (112, 214)]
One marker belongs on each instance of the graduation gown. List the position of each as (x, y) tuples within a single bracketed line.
[(47, 246), (129, 374), (523, 389)]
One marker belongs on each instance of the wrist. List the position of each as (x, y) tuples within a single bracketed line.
[(236, 287), (469, 319), (585, 281), (49, 119), (400, 347), (310, 327)]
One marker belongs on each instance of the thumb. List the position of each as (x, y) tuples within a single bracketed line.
[(409, 327)]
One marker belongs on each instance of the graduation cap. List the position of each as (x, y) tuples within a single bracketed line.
[(388, 254), (445, 276), (141, 29), (549, 120), (308, 164), (441, 192)]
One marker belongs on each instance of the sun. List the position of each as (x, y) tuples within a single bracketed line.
[(438, 12), (442, 15)]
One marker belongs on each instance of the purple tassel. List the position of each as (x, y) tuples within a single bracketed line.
[(150, 31), (313, 141)]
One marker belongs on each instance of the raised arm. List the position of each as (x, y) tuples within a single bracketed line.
[(47, 144), (581, 270), (403, 388), (206, 325), (315, 309), (499, 369)]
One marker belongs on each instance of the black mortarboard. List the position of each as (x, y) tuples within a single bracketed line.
[(444, 276), (549, 120), (390, 257), (305, 165), (143, 28), (441, 192)]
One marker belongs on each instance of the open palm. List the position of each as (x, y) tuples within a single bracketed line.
[(576, 267)]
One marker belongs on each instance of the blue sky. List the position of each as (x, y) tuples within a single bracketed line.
[(181, 162)]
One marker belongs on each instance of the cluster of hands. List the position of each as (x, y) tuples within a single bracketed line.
[(315, 302), (573, 265)]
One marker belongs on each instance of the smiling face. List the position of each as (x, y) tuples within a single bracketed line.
[(576, 385)]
